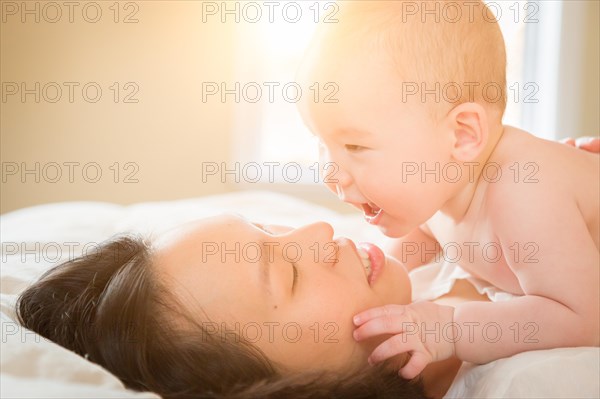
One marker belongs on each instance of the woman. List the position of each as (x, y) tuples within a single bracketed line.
[(225, 308)]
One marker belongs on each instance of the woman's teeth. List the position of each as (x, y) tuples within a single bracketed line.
[(364, 257)]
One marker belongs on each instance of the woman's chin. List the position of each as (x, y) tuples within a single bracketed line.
[(396, 276), (393, 262)]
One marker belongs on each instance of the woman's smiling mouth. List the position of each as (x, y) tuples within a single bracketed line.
[(373, 260)]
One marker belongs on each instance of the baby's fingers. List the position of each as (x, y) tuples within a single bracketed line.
[(393, 346), (591, 144), (389, 324), (381, 311), (416, 364), (391, 321), (568, 140)]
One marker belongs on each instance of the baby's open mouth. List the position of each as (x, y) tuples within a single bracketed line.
[(372, 212), (370, 209)]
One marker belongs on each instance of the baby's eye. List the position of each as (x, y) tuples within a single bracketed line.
[(353, 147)]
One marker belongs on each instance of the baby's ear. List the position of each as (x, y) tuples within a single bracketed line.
[(470, 131)]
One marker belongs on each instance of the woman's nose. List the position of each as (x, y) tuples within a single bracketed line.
[(314, 232), (312, 243)]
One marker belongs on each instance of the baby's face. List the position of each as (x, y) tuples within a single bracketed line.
[(379, 145)]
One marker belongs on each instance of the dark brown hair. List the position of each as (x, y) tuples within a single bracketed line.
[(109, 307)]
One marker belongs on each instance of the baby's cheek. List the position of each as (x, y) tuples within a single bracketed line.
[(331, 186)]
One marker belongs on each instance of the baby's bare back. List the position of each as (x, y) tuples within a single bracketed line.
[(570, 173)]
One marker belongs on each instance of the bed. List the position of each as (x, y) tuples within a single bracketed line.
[(36, 238)]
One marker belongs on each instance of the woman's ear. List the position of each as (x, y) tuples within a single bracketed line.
[(470, 131)]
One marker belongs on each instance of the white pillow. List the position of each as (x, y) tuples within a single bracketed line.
[(552, 373)]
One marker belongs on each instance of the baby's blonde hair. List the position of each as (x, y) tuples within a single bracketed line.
[(451, 52)]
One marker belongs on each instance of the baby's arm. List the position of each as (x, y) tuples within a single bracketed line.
[(561, 307), (562, 301)]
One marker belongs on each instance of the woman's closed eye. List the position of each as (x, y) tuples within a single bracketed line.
[(354, 147), (295, 274), (294, 265)]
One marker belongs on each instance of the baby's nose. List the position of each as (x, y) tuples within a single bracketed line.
[(339, 190), (338, 182)]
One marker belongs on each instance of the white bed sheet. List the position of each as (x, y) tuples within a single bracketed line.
[(34, 367)]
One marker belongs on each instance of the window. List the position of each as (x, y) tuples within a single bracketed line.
[(530, 29)]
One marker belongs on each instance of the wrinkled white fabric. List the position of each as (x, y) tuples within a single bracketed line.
[(437, 278)]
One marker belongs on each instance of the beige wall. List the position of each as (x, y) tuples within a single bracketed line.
[(168, 134)]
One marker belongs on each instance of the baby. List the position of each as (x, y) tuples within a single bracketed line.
[(414, 138)]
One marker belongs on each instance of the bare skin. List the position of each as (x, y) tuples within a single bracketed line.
[(230, 290), (534, 231), (438, 376), (226, 269)]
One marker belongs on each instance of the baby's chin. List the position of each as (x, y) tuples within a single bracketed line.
[(394, 230), (395, 227)]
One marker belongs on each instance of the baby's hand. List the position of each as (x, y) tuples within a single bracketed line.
[(423, 329), (591, 144)]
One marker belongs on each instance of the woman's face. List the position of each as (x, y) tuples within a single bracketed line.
[(291, 292)]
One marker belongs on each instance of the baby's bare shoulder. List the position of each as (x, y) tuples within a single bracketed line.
[(537, 175), (532, 163), (518, 145)]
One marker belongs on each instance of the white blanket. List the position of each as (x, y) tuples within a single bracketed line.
[(37, 238)]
